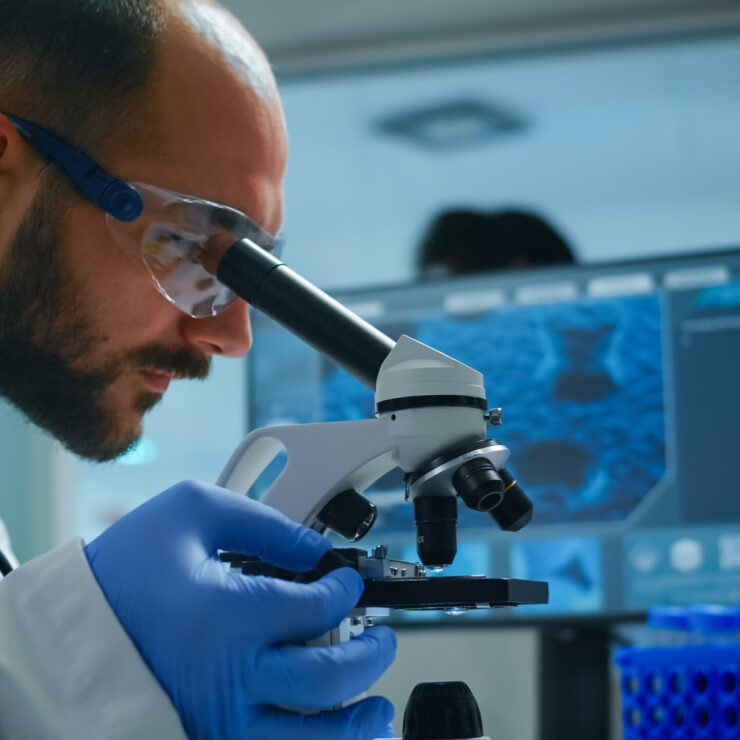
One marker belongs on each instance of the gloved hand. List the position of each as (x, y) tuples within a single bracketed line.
[(227, 647)]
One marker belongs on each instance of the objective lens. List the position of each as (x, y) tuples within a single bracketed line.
[(516, 509), (436, 530), (478, 484)]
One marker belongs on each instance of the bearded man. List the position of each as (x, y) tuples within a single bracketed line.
[(110, 111)]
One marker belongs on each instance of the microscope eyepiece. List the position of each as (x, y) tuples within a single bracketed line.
[(436, 530), (516, 509), (478, 484)]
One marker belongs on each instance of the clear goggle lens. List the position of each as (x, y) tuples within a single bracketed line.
[(170, 239)]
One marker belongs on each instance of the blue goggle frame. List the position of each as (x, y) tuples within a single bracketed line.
[(170, 242), (110, 194)]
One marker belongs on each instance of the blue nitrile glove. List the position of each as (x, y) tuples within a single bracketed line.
[(227, 647)]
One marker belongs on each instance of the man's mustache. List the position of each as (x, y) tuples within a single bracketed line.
[(183, 363)]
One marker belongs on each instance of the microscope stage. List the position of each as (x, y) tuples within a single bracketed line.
[(451, 592), (396, 584)]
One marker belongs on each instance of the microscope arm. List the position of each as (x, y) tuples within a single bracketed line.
[(326, 459), (322, 461)]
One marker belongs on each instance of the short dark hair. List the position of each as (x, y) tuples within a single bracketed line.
[(464, 241), (75, 66)]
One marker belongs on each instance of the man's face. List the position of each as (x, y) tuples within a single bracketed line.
[(87, 344)]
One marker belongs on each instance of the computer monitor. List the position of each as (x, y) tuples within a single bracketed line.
[(620, 386)]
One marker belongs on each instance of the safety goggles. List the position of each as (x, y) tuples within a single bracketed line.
[(164, 232)]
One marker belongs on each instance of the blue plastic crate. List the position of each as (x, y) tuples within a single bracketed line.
[(687, 692)]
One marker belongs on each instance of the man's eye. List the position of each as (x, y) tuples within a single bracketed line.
[(167, 248)]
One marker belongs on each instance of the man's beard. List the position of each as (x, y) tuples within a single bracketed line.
[(45, 336)]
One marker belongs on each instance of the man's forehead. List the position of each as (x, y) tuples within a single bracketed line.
[(213, 126), (212, 78), (226, 37)]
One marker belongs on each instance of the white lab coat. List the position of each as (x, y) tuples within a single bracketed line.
[(68, 670)]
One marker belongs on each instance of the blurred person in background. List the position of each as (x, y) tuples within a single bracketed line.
[(459, 242)]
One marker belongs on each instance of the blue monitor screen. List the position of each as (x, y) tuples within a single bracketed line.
[(620, 386)]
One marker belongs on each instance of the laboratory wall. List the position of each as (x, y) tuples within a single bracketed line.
[(29, 497)]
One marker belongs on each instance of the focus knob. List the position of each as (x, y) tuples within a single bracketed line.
[(349, 514), (442, 711)]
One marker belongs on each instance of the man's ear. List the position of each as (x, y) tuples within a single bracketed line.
[(19, 178), (14, 151), (4, 123), (20, 166), (6, 134)]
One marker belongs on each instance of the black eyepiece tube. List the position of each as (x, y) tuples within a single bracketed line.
[(267, 284)]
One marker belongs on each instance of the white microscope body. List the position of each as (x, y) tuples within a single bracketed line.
[(327, 458), (430, 421)]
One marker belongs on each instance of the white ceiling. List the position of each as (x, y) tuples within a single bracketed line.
[(313, 34)]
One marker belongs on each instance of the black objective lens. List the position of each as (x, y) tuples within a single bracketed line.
[(349, 514), (436, 530), (516, 509), (478, 484)]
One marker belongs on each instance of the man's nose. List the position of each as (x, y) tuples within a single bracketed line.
[(228, 333)]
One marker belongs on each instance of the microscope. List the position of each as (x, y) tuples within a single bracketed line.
[(431, 416)]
